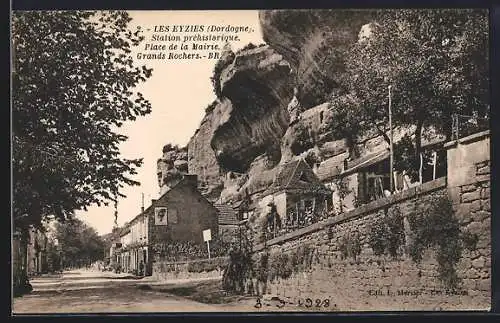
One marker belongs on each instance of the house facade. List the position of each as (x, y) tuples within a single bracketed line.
[(361, 180), (296, 193), (179, 216)]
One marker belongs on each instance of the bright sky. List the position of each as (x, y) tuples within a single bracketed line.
[(179, 92)]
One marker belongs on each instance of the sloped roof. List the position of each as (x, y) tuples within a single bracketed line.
[(296, 175), (330, 167), (366, 161), (227, 215)]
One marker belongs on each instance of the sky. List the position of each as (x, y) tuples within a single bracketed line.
[(179, 91)]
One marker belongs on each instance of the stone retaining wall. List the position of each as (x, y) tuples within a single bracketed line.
[(196, 269), (362, 280)]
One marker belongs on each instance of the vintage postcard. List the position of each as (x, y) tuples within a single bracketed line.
[(250, 161)]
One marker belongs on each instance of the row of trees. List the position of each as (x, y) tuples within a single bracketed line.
[(73, 86), (72, 244), (436, 62), (79, 244)]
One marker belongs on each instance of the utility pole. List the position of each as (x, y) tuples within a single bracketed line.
[(391, 166)]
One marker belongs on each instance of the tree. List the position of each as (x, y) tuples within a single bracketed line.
[(436, 62), (79, 243), (73, 86), (227, 57)]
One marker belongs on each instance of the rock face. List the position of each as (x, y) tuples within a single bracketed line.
[(314, 43), (254, 118), (273, 103), (172, 165), (201, 156)]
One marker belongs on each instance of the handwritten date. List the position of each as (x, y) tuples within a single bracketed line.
[(307, 303)]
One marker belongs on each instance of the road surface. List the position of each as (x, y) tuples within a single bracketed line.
[(99, 292)]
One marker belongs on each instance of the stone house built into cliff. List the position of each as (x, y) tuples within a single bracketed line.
[(367, 178), (296, 191), (179, 216)]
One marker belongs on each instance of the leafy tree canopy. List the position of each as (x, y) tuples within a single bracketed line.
[(436, 62), (78, 243), (73, 86)]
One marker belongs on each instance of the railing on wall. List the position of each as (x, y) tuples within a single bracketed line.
[(294, 221), (464, 125), (308, 217)]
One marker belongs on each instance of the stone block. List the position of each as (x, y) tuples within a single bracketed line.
[(487, 205), (485, 170), (485, 193), (454, 194), (475, 227), (470, 196), (475, 206), (485, 274), (483, 216), (486, 184), (483, 285), (463, 212), (468, 188), (478, 263)]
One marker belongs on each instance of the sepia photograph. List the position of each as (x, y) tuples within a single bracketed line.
[(251, 161)]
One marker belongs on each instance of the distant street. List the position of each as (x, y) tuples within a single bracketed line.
[(99, 292), (105, 292)]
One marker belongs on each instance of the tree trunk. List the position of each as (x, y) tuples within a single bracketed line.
[(418, 138), (21, 282), (448, 127)]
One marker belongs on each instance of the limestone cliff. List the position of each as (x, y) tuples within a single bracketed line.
[(254, 116), (314, 43), (172, 165), (273, 103)]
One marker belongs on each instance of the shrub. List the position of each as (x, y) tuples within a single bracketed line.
[(280, 266), (350, 246), (434, 225), (206, 265), (226, 59), (387, 235), (211, 106)]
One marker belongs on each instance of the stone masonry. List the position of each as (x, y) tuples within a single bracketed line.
[(370, 282)]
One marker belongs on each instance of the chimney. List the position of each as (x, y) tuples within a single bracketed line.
[(191, 179), (142, 206)]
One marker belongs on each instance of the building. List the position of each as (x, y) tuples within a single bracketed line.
[(112, 247), (37, 252), (367, 178), (179, 216), (29, 257), (296, 193)]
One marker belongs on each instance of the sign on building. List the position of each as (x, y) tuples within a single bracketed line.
[(161, 216)]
